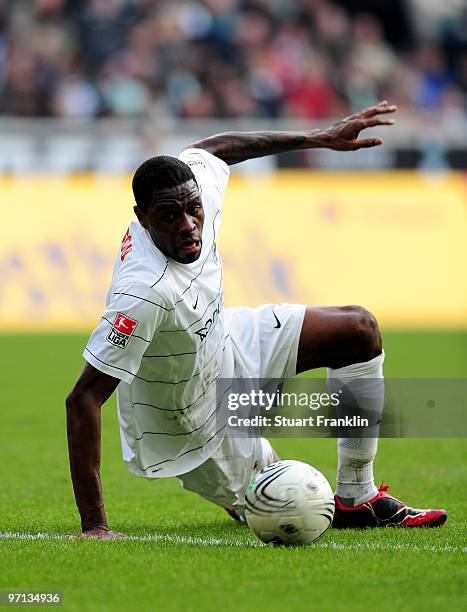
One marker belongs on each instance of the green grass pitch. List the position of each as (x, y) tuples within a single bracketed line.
[(198, 558)]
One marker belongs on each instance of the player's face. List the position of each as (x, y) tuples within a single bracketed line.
[(175, 222)]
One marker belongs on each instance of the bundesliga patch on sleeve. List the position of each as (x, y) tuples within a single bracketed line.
[(121, 331)]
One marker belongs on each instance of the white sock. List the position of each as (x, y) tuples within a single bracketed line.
[(355, 483)]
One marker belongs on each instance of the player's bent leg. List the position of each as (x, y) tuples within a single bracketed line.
[(337, 336), (265, 455), (347, 341), (224, 477)]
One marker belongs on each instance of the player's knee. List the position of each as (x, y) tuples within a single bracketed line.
[(365, 333), (70, 401)]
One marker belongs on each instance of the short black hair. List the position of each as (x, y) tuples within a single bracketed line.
[(160, 172)]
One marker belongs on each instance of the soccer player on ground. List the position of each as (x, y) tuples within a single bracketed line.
[(165, 339)]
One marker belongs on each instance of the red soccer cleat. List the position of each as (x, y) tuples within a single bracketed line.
[(383, 510)]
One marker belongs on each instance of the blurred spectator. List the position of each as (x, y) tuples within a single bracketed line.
[(230, 58), (369, 52), (76, 97), (312, 95), (436, 78), (102, 28), (23, 93)]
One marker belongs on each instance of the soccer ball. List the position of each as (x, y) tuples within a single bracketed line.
[(289, 503)]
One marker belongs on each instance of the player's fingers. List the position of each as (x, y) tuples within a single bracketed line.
[(377, 121), (379, 109), (366, 143)]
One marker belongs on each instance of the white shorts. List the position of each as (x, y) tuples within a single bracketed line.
[(265, 345)]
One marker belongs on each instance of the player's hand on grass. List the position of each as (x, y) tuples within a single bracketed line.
[(343, 135), (101, 533)]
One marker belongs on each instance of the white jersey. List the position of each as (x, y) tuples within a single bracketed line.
[(162, 334)]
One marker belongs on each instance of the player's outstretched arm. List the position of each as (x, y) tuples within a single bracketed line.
[(235, 147), (83, 406)]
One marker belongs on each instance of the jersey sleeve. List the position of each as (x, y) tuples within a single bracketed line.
[(210, 171), (126, 329)]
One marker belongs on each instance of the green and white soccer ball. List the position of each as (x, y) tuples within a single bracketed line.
[(289, 503)]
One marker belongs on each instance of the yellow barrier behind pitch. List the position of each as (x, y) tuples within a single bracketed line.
[(395, 243)]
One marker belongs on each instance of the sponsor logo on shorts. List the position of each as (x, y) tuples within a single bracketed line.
[(121, 331)]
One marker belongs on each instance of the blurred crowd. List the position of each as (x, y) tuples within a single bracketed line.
[(230, 58)]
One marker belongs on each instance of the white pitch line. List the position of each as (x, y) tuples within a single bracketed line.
[(210, 542), (156, 537), (375, 546)]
